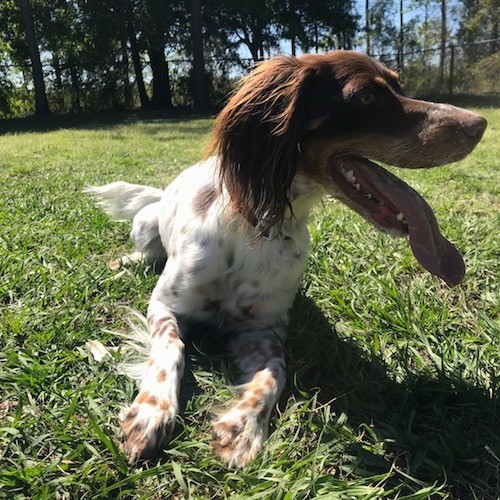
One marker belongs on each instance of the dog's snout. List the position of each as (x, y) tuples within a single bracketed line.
[(474, 127)]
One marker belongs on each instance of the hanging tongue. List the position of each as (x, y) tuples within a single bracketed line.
[(434, 252)]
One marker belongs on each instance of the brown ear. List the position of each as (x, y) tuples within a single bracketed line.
[(256, 137)]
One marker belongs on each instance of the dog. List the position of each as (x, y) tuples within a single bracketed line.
[(230, 233)]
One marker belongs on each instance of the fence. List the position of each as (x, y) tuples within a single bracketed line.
[(466, 69), (470, 69)]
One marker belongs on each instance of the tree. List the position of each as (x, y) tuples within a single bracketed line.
[(367, 26), (479, 21), (383, 31), (136, 61), (41, 102), (156, 18), (444, 39), (249, 23), (330, 24), (201, 101), (401, 48)]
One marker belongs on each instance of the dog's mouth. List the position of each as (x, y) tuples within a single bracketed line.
[(392, 205)]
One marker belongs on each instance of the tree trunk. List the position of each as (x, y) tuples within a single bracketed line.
[(75, 83), (201, 101), (162, 96), (494, 33), (57, 70), (59, 86), (367, 26), (426, 34), (443, 41), (401, 38), (41, 102), (127, 95), (136, 61), (253, 48)]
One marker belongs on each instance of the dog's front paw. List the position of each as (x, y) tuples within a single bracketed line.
[(147, 427), (238, 438)]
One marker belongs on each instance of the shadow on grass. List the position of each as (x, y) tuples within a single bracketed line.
[(438, 431), (97, 121)]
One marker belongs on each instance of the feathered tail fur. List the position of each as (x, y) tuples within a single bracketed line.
[(122, 200)]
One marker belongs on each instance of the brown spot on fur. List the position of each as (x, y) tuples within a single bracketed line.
[(162, 376), (211, 305), (253, 401), (203, 200), (258, 393), (162, 325), (138, 427), (262, 381), (164, 405), (131, 415), (172, 336), (147, 398), (225, 430), (246, 311)]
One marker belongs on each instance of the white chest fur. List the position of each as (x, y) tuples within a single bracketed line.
[(216, 272)]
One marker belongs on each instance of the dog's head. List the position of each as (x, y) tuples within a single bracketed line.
[(328, 117)]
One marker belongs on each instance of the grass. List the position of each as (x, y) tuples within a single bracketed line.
[(394, 378)]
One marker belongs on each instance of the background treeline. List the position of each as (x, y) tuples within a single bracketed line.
[(71, 55)]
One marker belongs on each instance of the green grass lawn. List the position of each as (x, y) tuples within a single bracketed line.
[(393, 381)]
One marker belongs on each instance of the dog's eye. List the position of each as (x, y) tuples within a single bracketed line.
[(367, 99)]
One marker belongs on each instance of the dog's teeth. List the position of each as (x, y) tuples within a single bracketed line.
[(357, 186), (369, 196), (401, 218), (349, 175)]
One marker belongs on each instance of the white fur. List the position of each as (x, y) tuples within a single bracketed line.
[(121, 200), (217, 272)]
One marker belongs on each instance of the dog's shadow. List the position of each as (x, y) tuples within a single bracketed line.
[(429, 427)]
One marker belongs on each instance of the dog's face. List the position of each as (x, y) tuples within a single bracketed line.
[(329, 117), (366, 113), (369, 119)]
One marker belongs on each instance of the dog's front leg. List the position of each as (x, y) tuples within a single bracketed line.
[(241, 429), (148, 423)]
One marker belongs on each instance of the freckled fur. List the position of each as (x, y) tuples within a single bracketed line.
[(203, 200), (230, 234)]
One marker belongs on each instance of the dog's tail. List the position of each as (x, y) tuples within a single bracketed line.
[(121, 200)]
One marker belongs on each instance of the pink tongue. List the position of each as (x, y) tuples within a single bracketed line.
[(434, 252)]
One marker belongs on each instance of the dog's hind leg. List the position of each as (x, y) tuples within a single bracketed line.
[(146, 236), (241, 429)]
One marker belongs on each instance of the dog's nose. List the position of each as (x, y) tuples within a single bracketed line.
[(474, 127)]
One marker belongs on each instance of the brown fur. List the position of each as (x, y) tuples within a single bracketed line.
[(322, 105), (203, 200), (261, 126)]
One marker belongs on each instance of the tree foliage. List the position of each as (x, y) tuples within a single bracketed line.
[(109, 54)]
